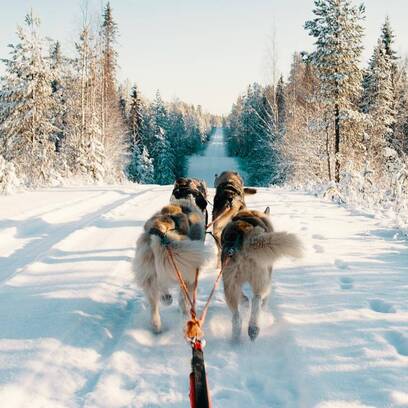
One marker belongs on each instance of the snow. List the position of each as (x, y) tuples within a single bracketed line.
[(75, 328), (213, 160)]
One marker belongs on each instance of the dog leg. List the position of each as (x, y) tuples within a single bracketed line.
[(261, 284), (253, 327), (233, 294), (152, 293), (183, 302)]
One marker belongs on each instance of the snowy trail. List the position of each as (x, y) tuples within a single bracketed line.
[(213, 161), (75, 332)]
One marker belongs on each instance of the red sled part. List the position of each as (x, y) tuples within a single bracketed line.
[(199, 394)]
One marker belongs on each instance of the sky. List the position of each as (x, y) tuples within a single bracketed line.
[(202, 51)]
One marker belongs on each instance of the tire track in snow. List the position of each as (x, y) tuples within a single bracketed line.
[(119, 326), (118, 314), (37, 249), (52, 208)]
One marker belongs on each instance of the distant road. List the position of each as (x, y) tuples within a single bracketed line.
[(213, 161)]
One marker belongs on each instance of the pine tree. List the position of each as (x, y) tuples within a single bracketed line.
[(108, 34), (141, 168), (59, 82), (378, 102), (281, 105), (163, 158), (113, 127), (387, 38), (83, 147), (338, 32), (27, 128), (135, 117)]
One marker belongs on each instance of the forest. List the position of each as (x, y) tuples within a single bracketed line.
[(64, 118), (333, 122)]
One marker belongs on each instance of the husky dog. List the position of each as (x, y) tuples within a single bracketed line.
[(180, 227), (229, 199), (250, 246), (191, 189)]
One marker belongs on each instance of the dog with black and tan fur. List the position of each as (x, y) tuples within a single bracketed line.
[(229, 199)]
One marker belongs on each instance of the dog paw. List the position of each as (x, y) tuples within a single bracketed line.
[(166, 299), (253, 332)]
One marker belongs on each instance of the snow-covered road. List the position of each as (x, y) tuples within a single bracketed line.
[(213, 160), (74, 329)]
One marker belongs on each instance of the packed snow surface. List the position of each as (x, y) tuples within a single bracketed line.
[(74, 329), (213, 160)]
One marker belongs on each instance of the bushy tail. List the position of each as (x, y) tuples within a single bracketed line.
[(152, 258), (189, 255), (267, 247), (143, 263)]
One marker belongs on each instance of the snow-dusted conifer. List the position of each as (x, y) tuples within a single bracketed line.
[(378, 101), (135, 117), (28, 105), (141, 168), (338, 32)]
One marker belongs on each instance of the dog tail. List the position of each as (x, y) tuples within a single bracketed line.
[(188, 255), (143, 263), (249, 191), (267, 247)]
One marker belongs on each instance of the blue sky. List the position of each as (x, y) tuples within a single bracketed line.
[(202, 51)]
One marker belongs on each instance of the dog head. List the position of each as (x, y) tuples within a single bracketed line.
[(243, 224), (190, 189)]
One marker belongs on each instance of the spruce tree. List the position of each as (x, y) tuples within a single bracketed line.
[(59, 92), (28, 106), (135, 117), (378, 102), (338, 32)]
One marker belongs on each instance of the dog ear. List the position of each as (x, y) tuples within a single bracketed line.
[(267, 211), (249, 190)]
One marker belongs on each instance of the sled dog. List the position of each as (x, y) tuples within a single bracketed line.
[(179, 226), (193, 190), (249, 247), (229, 199)]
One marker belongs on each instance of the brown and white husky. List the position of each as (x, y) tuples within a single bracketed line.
[(249, 248), (179, 226)]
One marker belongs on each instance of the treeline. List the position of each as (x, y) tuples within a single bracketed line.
[(331, 120), (66, 117), (161, 136)]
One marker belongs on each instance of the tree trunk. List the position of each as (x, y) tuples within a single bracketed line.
[(328, 153), (337, 143)]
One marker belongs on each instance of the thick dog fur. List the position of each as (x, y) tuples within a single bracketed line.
[(229, 197), (250, 246), (193, 190), (183, 226)]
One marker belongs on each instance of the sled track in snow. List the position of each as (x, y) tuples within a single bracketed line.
[(39, 248)]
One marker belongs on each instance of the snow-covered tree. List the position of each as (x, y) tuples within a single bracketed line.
[(338, 32), (8, 177), (135, 117), (83, 144), (163, 158), (28, 105), (141, 169), (378, 103), (60, 76)]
